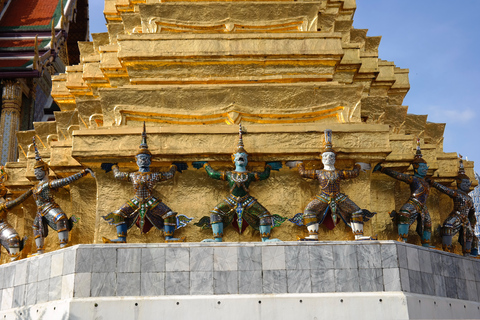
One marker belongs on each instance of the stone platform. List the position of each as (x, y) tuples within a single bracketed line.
[(368, 280)]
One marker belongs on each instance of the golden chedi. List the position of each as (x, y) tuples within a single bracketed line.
[(194, 70)]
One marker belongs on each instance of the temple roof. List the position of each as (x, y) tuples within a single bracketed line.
[(23, 21)]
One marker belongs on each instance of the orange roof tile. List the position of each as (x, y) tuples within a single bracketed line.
[(30, 14)]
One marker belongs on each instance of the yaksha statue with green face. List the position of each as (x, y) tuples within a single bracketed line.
[(416, 206), (463, 211), (239, 208), (330, 205), (49, 212), (144, 209), (9, 238)]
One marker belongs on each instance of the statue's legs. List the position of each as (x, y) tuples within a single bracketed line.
[(406, 214), (314, 212), (348, 208), (62, 229), (266, 228), (170, 224), (56, 217), (161, 214), (10, 239), (450, 228), (357, 225), (14, 246), (117, 219), (217, 226), (40, 231), (474, 251), (427, 229), (259, 218), (217, 216), (469, 235)]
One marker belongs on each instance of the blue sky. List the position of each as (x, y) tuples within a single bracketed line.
[(439, 42)]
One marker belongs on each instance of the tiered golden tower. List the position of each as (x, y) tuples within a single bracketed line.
[(287, 70)]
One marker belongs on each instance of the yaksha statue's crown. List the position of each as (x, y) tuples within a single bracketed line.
[(418, 156), (461, 171), (39, 163), (143, 148), (3, 178), (327, 144), (240, 146)]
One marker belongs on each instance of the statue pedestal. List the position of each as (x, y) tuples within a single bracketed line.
[(249, 280)]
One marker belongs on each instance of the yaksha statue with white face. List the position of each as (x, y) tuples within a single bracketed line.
[(239, 208), (463, 211), (144, 209), (330, 205), (416, 206), (9, 238), (49, 212)]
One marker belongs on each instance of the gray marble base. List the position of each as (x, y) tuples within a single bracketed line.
[(185, 269)]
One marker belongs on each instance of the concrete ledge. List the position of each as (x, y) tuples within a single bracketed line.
[(368, 306)]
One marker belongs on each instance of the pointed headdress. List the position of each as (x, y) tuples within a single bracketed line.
[(327, 143), (418, 156), (461, 171), (39, 163), (240, 146), (143, 148)]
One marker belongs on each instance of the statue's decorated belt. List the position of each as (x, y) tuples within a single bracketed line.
[(245, 201), (417, 204), (339, 197), (150, 203), (42, 210)]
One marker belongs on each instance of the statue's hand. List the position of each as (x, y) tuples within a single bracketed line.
[(198, 164), (364, 166), (107, 166), (91, 172), (180, 166), (275, 165), (292, 164), (378, 167)]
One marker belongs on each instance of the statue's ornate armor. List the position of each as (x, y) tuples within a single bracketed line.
[(458, 219), (48, 211), (331, 199), (9, 238), (415, 208), (143, 204), (239, 208)]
